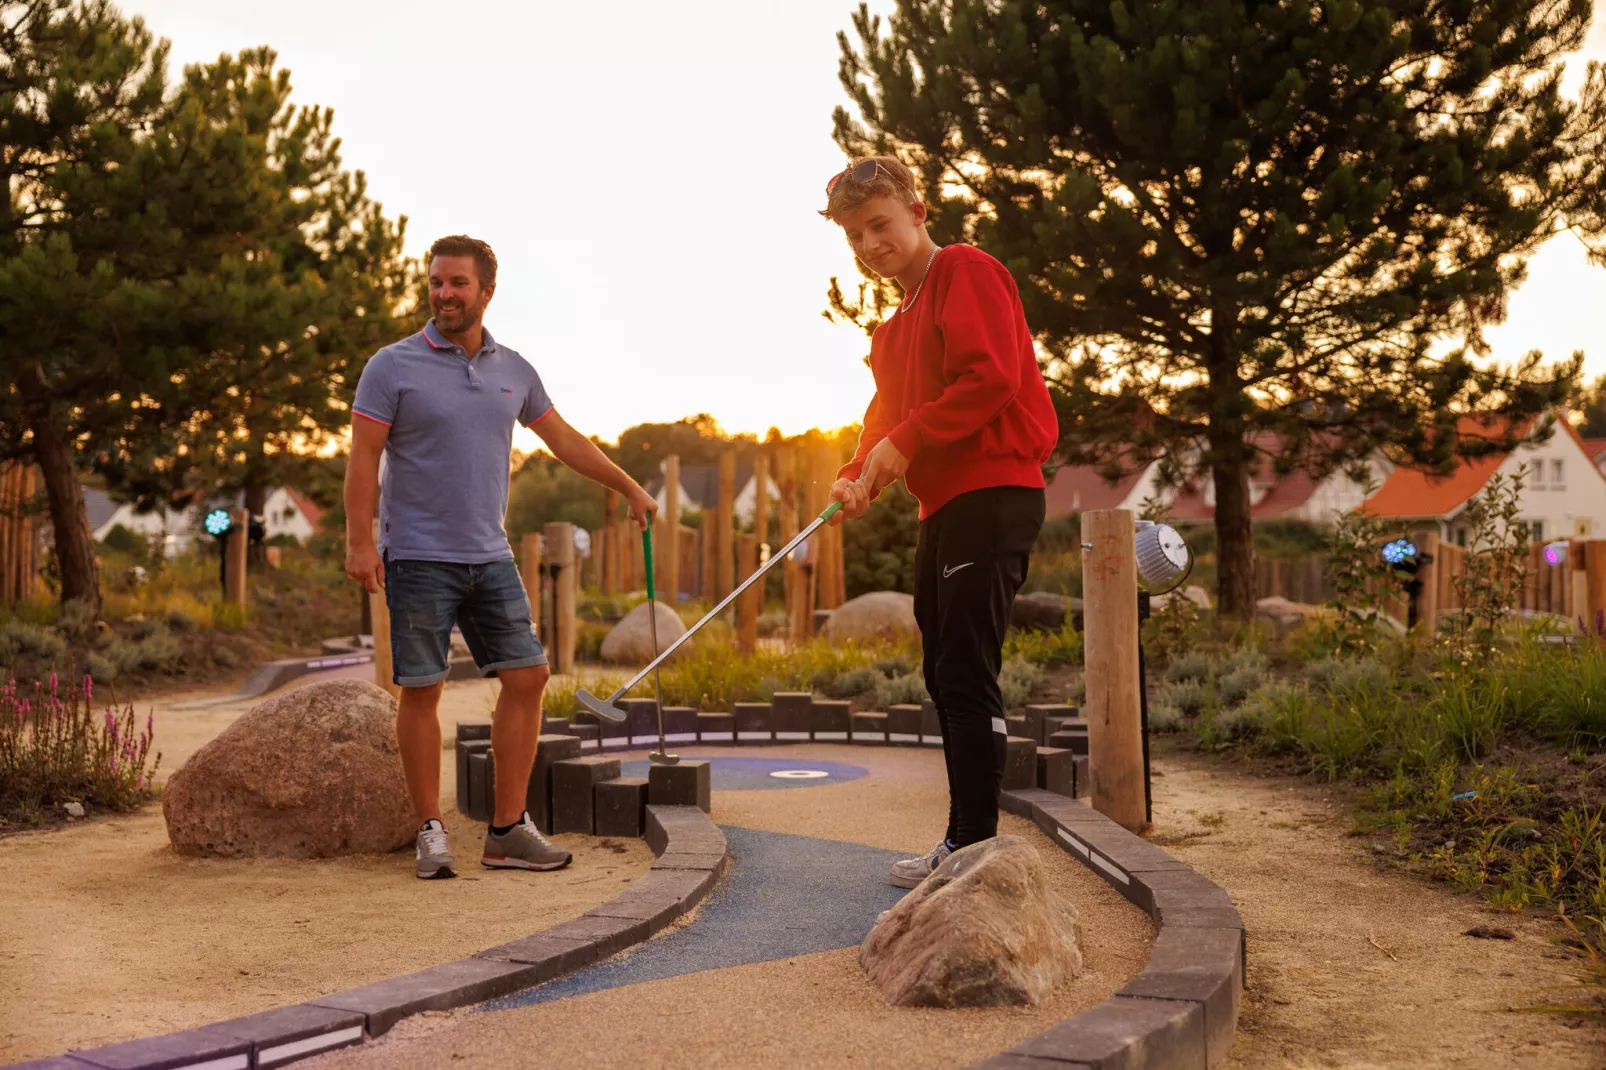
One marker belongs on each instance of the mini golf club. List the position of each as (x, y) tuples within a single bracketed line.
[(606, 709), (661, 756)]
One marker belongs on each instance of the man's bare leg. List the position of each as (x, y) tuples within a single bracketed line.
[(418, 733), (515, 733)]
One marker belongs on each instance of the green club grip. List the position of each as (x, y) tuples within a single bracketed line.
[(831, 510), (646, 551)]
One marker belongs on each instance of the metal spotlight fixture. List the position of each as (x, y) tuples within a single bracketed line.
[(1164, 558)]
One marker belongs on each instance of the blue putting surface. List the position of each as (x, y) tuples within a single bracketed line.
[(784, 896), (759, 774)]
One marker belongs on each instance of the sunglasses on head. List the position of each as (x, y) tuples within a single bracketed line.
[(862, 172)]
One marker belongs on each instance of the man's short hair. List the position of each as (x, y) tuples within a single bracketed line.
[(463, 245), (891, 179)]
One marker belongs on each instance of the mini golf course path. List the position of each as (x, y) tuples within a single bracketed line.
[(766, 972)]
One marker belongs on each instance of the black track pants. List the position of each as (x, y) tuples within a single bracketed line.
[(970, 561)]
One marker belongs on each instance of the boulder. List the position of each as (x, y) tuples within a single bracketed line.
[(1044, 611), (1191, 593), (307, 773), (879, 614), (985, 929), (630, 641)]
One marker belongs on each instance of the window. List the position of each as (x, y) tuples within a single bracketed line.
[(1538, 530), (1461, 536), (1557, 478)]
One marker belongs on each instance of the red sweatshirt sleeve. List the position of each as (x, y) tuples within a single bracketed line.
[(978, 326)]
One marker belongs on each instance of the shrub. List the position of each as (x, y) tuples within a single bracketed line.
[(1236, 685), (1018, 679), (1189, 665), (894, 667), (102, 670), (76, 621), (55, 748), (901, 690), (1165, 717), (20, 637), (1055, 649), (1188, 696), (848, 684)]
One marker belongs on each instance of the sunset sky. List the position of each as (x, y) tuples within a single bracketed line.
[(650, 181)]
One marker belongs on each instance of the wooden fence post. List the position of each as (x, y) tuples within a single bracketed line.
[(559, 549), (1427, 606), (1595, 587), (747, 605), (724, 529), (667, 543), (530, 573), (607, 558), (239, 542), (1114, 729)]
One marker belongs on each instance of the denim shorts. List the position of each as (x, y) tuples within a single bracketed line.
[(486, 601)]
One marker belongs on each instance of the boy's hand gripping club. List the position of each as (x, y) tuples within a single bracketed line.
[(608, 711)]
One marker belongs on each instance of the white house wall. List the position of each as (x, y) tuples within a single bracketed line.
[(1579, 497), (1337, 494)]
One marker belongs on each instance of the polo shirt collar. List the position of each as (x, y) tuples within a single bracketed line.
[(437, 340)]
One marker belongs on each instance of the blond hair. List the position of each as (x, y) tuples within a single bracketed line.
[(891, 179)]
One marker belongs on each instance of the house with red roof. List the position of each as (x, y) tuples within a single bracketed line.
[(1563, 495), (1596, 448), (1078, 488)]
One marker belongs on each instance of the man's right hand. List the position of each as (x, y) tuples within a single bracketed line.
[(364, 565), (854, 496)]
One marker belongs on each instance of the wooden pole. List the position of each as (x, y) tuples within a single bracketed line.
[(761, 497), (8, 542), (724, 521), (747, 605), (379, 619), (608, 560), (1114, 731), (559, 547), (530, 573), (1428, 601), (238, 543), (669, 552), (786, 484), (710, 556), (1595, 587)]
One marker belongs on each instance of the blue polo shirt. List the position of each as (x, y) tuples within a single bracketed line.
[(443, 493)]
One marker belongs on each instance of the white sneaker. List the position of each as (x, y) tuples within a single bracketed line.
[(911, 871), (434, 856)]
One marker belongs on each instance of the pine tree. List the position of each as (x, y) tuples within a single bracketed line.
[(1235, 223)]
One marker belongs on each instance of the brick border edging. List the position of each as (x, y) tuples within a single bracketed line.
[(691, 857), (1182, 1009)]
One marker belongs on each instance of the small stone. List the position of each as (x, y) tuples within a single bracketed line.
[(985, 929), (74, 809)]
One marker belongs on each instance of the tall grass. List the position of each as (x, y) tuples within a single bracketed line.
[(55, 748)]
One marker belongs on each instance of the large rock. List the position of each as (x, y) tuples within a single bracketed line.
[(1044, 611), (879, 614), (307, 773), (630, 641), (985, 929)]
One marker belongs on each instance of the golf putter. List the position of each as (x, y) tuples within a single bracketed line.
[(661, 756), (606, 708)]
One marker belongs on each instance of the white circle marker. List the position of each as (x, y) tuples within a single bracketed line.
[(800, 774)]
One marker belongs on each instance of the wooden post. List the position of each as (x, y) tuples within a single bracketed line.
[(559, 547), (709, 554), (689, 549), (1114, 730), (239, 544), (724, 529), (8, 540), (379, 618), (1595, 587), (604, 551), (1427, 606), (747, 605), (761, 497), (666, 539), (530, 573)]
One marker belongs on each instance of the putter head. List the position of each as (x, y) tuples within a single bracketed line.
[(658, 757), (606, 710)]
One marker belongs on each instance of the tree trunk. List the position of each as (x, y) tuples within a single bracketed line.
[(53, 448), (256, 500), (1235, 540)]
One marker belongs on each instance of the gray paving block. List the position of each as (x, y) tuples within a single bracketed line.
[(641, 718), (870, 727), (464, 748), (711, 861), (551, 956), (574, 784), (1202, 965), (451, 984), (55, 1062), (687, 784), (1056, 771), (620, 806), (1020, 763), (481, 785), (1073, 740), (1185, 897), (903, 724), (682, 828), (286, 1034), (556, 726), (1015, 802), (1041, 717), (1126, 1033), (588, 734), (716, 727), (609, 733), (608, 934), (790, 712), (680, 724), (753, 722), (930, 724), (467, 730), (830, 720), (538, 792), (1084, 781), (1015, 725), (172, 1051)]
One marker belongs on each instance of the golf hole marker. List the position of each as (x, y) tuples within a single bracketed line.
[(800, 774)]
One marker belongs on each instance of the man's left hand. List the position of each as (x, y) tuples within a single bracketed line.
[(641, 506), (882, 467)]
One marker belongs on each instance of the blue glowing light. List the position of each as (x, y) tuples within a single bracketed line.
[(217, 522), (1400, 551)]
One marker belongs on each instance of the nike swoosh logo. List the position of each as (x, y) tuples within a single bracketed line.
[(950, 571)]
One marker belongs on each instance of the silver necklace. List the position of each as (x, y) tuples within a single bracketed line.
[(922, 284)]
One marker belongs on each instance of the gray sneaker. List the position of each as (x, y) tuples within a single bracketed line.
[(523, 848), (911, 871), (434, 857)]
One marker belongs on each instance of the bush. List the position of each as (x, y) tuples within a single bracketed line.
[(20, 637), (849, 684), (1190, 697), (1018, 679), (901, 690), (102, 670), (1165, 717), (1055, 649), (1236, 685), (894, 667), (180, 621), (55, 748), (1189, 665), (1348, 675)]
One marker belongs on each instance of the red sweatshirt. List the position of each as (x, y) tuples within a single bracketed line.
[(958, 389)]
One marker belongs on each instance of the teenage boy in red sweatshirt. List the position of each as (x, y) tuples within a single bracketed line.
[(961, 413)]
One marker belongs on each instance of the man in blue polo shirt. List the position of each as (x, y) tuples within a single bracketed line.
[(440, 408)]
